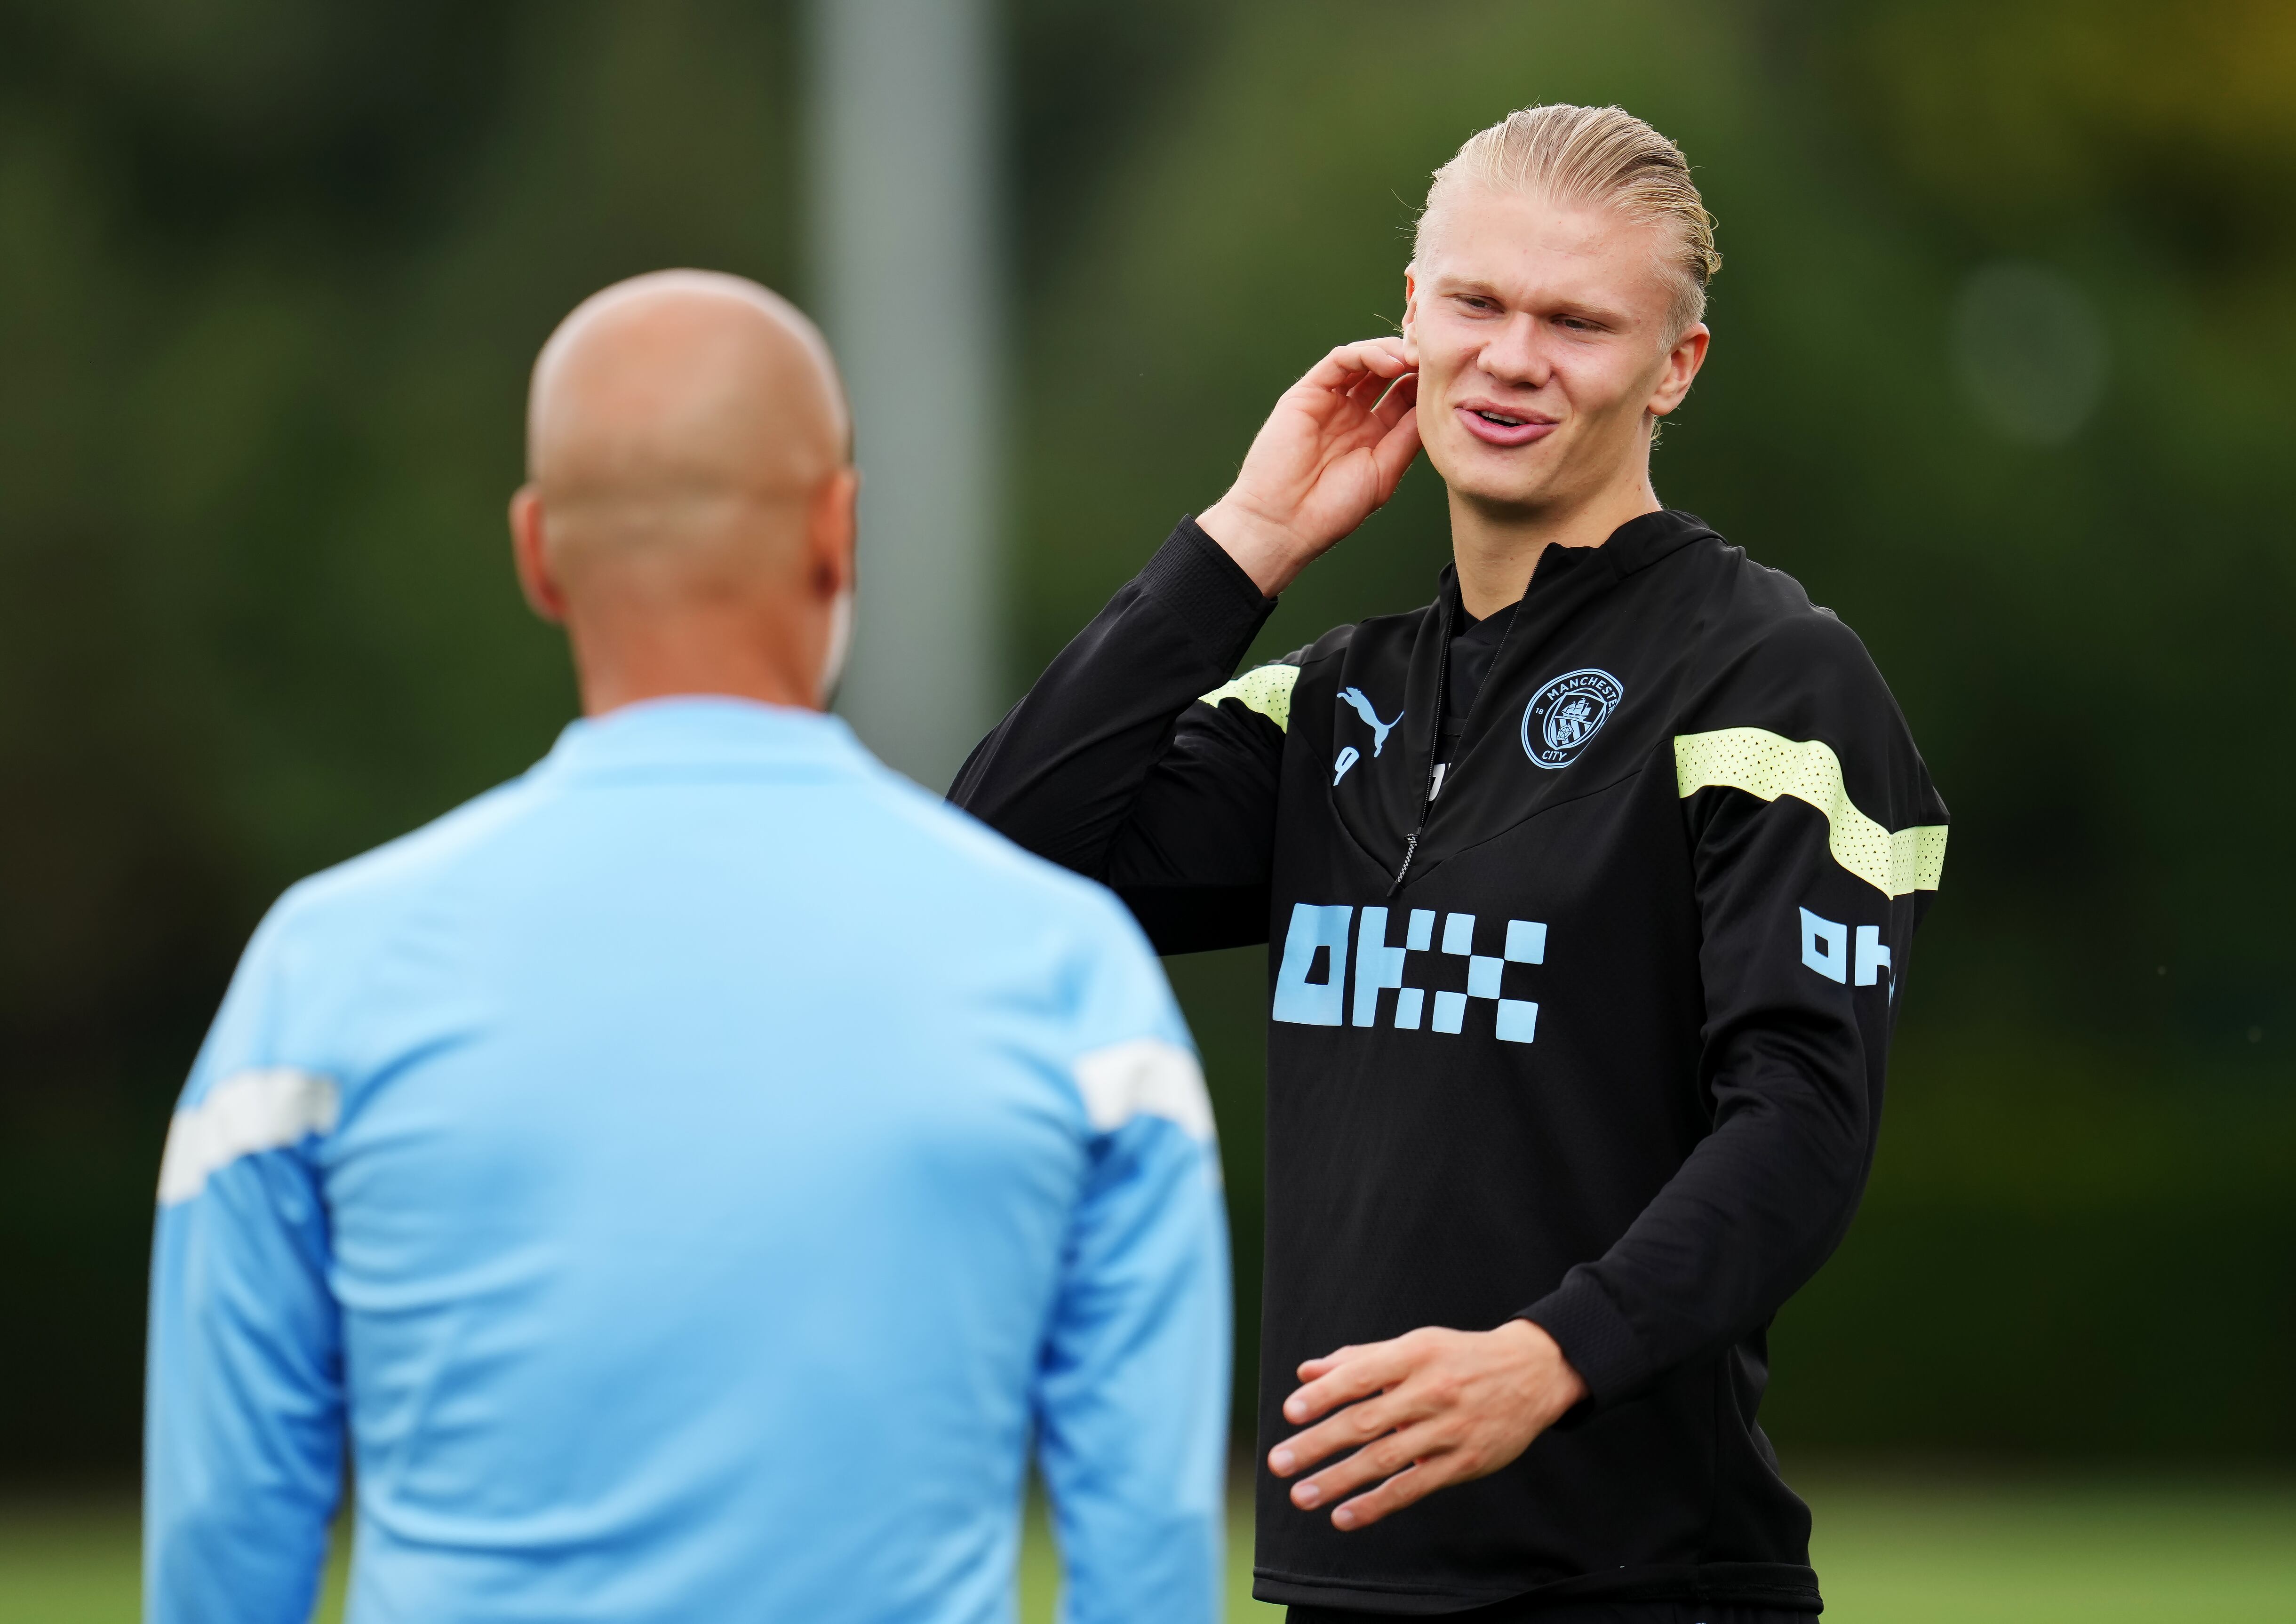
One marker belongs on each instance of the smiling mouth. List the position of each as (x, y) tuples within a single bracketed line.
[(1495, 426)]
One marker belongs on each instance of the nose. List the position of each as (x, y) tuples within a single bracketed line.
[(1516, 354)]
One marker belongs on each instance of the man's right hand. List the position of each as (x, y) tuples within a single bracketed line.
[(1327, 458)]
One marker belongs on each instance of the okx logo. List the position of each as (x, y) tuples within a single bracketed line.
[(1825, 948), (1311, 987)]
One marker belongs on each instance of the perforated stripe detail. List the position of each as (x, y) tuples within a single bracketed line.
[(1766, 765), (1266, 689)]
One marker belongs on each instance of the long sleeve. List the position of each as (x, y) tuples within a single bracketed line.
[(1816, 843), (1132, 1389), (1111, 766), (243, 1415)]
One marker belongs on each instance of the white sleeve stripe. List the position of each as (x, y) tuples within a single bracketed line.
[(1145, 1077), (248, 1111)]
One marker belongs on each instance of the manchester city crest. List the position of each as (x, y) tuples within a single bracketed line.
[(1566, 712)]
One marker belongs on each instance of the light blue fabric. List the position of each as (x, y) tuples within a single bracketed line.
[(686, 1182)]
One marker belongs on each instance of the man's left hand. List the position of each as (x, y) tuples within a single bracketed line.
[(1428, 1409)]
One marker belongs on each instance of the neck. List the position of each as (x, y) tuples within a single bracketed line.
[(1495, 548), (735, 649)]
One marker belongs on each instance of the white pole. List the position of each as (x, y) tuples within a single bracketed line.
[(904, 230)]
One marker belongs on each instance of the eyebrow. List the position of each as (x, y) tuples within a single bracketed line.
[(1452, 286)]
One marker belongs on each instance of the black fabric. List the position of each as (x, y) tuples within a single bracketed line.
[(1176, 819), (1562, 1043), (1532, 1612), (1473, 646), (1205, 589)]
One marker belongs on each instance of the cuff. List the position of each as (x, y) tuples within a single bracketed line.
[(1207, 591), (1593, 1335)]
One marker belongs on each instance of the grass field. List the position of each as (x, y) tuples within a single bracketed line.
[(1890, 1550)]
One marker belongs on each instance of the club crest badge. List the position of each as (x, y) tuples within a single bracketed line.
[(1567, 712)]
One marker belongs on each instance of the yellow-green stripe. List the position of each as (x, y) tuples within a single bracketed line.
[(1762, 763), (1266, 689)]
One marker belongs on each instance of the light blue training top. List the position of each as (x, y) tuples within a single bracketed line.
[(692, 1173)]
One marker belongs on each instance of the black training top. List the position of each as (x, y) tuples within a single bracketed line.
[(1474, 645), (1595, 1035)]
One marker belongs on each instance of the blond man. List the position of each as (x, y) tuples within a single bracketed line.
[(1589, 886)]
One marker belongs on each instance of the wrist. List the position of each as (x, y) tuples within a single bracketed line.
[(1556, 1376), (1262, 549)]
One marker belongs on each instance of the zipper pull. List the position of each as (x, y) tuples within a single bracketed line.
[(1410, 847)]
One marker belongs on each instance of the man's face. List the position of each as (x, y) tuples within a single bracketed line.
[(1543, 333)]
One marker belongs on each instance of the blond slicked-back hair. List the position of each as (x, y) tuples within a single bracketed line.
[(1602, 155)]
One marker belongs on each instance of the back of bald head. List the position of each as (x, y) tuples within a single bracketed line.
[(677, 425)]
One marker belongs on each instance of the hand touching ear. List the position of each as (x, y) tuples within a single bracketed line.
[(1329, 457)]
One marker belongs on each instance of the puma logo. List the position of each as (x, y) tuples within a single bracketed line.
[(1355, 700)]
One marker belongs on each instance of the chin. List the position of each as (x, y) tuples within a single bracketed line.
[(1494, 480)]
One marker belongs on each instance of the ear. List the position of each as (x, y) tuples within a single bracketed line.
[(832, 531), (528, 555), (1682, 364), (1411, 314)]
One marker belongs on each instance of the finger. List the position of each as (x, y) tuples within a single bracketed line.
[(1415, 1482), (1371, 1465), (1360, 418), (1398, 396), (1357, 403), (1384, 358), (1391, 348), (1367, 388), (1309, 1369), (1368, 1371), (1348, 1429), (1393, 455), (1383, 364), (1340, 369), (1303, 1450)]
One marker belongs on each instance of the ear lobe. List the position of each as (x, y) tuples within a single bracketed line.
[(1683, 364)]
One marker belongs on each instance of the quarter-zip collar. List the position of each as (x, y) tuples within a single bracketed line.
[(1564, 584), (1636, 544)]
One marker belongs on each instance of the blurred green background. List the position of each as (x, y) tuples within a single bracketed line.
[(1998, 374)]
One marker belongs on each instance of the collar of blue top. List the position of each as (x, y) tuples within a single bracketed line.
[(705, 729)]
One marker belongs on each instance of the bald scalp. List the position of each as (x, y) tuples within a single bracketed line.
[(679, 421)]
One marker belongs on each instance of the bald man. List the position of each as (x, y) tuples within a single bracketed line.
[(691, 1174)]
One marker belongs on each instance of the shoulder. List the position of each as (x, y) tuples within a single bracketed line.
[(1257, 703), (1280, 674), (360, 894), (969, 856), (1264, 691), (1088, 970), (1760, 634), (313, 951), (1778, 675)]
